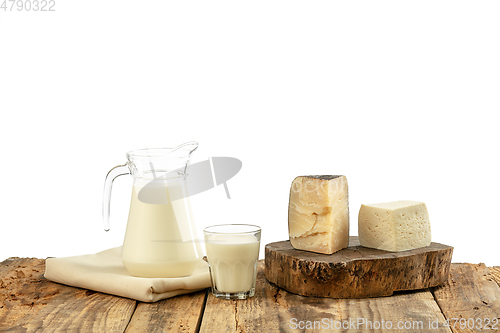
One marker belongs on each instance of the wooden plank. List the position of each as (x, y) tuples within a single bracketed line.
[(356, 271), (275, 310), (30, 303), (414, 311), (471, 294), (177, 314), (220, 316)]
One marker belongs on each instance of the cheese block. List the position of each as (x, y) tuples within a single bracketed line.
[(318, 214), (394, 226)]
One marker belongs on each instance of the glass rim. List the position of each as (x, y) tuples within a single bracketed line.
[(165, 152), (255, 229)]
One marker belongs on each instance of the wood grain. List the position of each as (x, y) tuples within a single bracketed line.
[(471, 292), (177, 314), (495, 273), (273, 310), (357, 271), (30, 303)]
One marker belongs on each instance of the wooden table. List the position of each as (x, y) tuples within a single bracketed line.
[(30, 303)]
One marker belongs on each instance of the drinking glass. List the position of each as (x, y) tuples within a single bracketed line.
[(233, 254)]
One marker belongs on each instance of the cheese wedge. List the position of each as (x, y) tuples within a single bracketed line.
[(318, 214), (394, 226)]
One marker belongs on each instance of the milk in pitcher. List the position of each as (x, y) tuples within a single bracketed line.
[(159, 236)]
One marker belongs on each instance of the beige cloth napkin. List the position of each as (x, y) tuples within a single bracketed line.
[(104, 272)]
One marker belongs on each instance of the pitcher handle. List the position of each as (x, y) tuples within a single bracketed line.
[(118, 170)]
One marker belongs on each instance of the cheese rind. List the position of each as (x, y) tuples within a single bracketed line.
[(318, 214), (394, 226)]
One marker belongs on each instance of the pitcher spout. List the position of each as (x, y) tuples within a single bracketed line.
[(153, 163)]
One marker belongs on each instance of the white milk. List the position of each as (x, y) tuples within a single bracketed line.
[(159, 237), (233, 261)]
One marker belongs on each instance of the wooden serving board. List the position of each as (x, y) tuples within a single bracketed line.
[(357, 271)]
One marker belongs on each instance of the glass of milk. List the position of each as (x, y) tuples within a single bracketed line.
[(233, 254)]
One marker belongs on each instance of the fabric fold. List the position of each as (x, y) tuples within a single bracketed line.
[(105, 272)]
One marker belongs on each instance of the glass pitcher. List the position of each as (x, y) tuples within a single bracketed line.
[(160, 240)]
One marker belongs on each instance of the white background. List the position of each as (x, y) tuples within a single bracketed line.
[(399, 96)]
